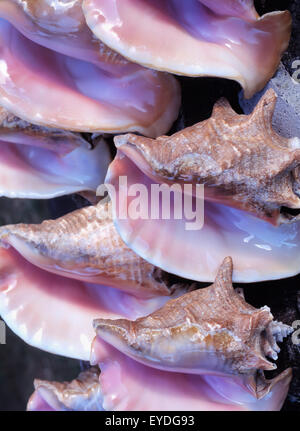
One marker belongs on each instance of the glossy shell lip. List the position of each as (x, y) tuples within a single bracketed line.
[(81, 394), (260, 251), (36, 305), (107, 20), (91, 100), (17, 131), (37, 300), (239, 159), (8, 292)]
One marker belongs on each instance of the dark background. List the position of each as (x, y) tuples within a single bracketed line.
[(20, 363)]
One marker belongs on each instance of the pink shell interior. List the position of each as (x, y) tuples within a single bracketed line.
[(259, 250), (200, 38)]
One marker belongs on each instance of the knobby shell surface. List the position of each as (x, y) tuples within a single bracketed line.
[(33, 78), (42, 163)]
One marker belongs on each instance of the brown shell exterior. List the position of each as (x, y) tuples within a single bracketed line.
[(87, 238), (240, 159), (214, 319)]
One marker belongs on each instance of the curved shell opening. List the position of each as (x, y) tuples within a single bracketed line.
[(195, 37), (90, 99), (260, 250)]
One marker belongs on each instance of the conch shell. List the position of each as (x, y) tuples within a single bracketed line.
[(39, 305), (240, 159), (210, 332), (81, 394), (249, 174), (34, 78), (131, 386), (61, 26), (224, 38), (85, 245), (41, 163), (207, 331)]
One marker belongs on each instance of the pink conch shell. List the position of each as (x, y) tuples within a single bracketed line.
[(200, 38), (43, 163), (61, 26), (17, 131), (240, 159), (207, 331), (41, 306), (212, 332), (236, 8), (129, 385), (85, 245), (47, 88), (81, 394), (260, 250)]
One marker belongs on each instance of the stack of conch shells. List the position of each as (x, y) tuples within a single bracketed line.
[(123, 293)]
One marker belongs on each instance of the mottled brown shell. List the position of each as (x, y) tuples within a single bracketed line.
[(62, 141), (240, 159), (86, 242), (211, 330)]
